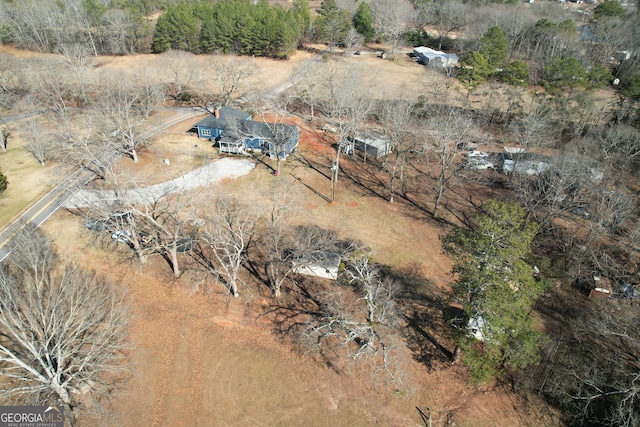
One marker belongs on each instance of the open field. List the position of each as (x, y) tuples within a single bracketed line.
[(200, 358), (28, 180)]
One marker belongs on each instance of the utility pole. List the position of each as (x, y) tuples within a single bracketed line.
[(334, 177)]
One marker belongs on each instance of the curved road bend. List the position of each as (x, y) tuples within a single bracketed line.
[(52, 201)]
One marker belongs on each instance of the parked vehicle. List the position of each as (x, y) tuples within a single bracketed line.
[(581, 212), (122, 236), (96, 224)]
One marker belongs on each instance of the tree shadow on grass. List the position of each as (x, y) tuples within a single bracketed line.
[(290, 314), (293, 308), (421, 305), (367, 175)]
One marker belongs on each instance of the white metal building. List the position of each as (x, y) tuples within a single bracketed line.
[(435, 58)]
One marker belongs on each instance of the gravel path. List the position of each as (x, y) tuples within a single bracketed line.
[(206, 175)]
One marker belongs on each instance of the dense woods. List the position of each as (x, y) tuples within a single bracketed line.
[(232, 26)]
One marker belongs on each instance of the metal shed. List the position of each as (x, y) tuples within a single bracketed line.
[(435, 58), (371, 143)]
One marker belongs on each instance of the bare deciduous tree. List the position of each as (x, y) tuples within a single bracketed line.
[(151, 91), (79, 146), (306, 89), (447, 16), (515, 27), (591, 367), (556, 190), (62, 329), (396, 118), (80, 21), (346, 100), (619, 146), (611, 208), (157, 219), (230, 73), (11, 80), (119, 109), (120, 32), (353, 41), (447, 135), (355, 321), (34, 24), (275, 235), (182, 69), (49, 84), (227, 231), (535, 130), (280, 138), (39, 141), (78, 58), (391, 19), (167, 215)]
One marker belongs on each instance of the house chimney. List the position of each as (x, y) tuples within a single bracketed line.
[(216, 113)]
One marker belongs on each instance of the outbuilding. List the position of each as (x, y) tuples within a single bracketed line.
[(435, 58), (371, 143), (325, 265)]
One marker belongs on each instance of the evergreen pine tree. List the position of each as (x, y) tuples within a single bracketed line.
[(495, 48), (497, 289), (363, 21)]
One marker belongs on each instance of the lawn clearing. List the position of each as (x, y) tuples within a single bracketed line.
[(28, 181), (201, 358)]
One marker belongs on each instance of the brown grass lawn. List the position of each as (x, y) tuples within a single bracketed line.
[(28, 181), (200, 358)]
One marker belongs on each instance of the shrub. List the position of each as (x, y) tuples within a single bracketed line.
[(3, 182)]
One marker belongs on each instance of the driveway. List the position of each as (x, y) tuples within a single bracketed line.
[(207, 175)]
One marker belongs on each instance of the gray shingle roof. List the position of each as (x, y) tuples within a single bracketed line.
[(236, 123), (227, 118)]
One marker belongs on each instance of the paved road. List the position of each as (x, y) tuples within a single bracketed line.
[(56, 198)]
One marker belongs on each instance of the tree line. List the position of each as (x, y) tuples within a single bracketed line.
[(47, 25), (232, 26), (538, 49)]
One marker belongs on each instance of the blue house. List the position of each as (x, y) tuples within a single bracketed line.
[(235, 132), (211, 127)]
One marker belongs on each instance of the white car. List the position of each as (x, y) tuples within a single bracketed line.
[(122, 236)]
